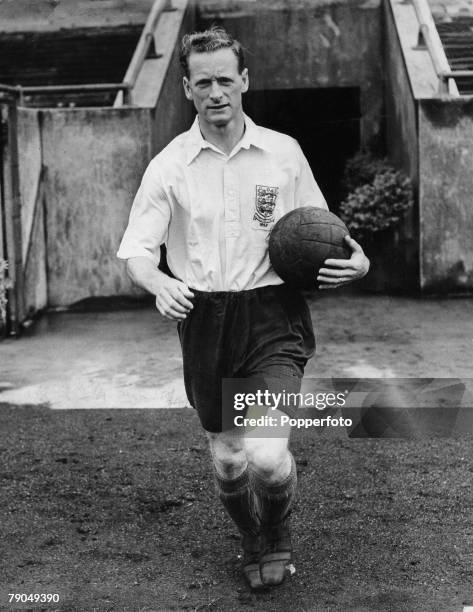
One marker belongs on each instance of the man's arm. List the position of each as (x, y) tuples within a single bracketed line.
[(172, 295), (147, 227)]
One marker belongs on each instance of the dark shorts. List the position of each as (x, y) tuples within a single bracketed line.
[(260, 333)]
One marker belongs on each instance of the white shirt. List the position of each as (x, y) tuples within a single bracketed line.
[(215, 211)]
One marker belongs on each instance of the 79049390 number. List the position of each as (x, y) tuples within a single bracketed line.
[(33, 597)]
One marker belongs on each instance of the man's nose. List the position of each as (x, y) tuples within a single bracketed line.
[(216, 91)]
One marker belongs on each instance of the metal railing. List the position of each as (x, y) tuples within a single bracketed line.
[(21, 91), (430, 36), (142, 49), (146, 40)]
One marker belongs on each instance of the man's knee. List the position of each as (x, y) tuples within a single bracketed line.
[(228, 454), (270, 458)]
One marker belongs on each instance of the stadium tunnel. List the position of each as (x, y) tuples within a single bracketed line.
[(90, 91)]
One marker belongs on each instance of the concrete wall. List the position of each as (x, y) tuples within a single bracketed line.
[(172, 112), (310, 43), (91, 161), (431, 138), (402, 149), (48, 15), (401, 107), (159, 83), (94, 160), (445, 195)]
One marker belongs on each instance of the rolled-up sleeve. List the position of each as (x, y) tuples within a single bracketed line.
[(149, 219), (307, 191)]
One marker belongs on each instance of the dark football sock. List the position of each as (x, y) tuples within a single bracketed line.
[(275, 499), (240, 502)]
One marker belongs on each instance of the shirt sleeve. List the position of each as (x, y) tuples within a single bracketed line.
[(307, 191), (149, 219)]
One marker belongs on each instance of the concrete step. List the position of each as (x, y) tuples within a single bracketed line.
[(457, 39)]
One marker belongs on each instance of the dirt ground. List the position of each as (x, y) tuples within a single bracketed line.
[(131, 358), (115, 510)]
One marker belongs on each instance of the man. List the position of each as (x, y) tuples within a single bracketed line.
[(213, 195)]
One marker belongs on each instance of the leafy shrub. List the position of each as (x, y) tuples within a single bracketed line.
[(379, 197), (360, 170), (5, 284)]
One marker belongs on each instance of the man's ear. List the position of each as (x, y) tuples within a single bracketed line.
[(246, 80), (187, 89)]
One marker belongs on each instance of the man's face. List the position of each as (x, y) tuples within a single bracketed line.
[(215, 86)]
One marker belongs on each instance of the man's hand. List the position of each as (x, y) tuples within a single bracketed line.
[(172, 299), (172, 295), (343, 271)]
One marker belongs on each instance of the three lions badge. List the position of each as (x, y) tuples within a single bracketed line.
[(265, 202)]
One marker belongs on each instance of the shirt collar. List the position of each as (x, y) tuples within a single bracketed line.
[(196, 142)]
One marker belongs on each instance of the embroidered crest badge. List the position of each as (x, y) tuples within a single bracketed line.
[(264, 205)]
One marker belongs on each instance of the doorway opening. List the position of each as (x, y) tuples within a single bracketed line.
[(325, 122)]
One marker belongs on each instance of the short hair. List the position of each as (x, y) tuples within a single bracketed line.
[(207, 41)]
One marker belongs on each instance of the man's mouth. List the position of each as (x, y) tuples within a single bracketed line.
[(218, 106)]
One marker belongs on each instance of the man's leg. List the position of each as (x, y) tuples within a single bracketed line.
[(274, 480), (280, 342), (256, 481), (234, 488)]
